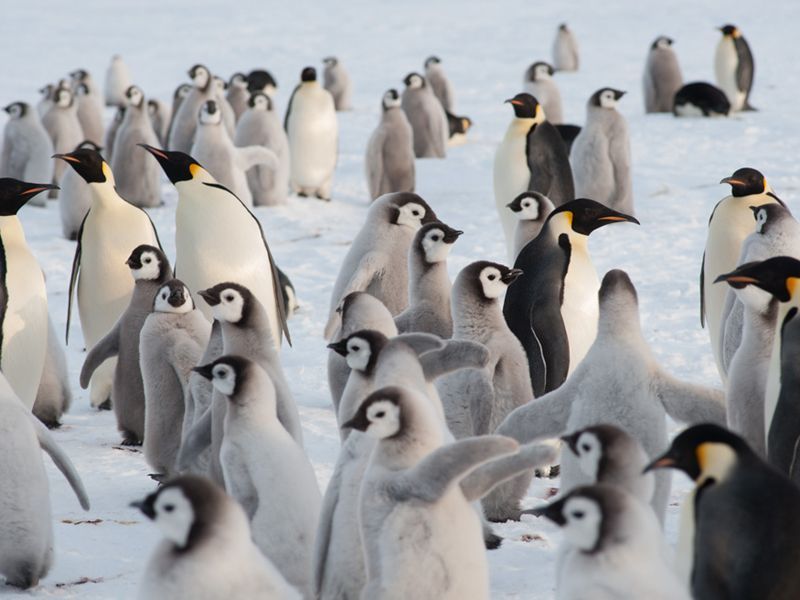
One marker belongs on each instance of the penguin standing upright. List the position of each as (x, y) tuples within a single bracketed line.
[(74, 198), (111, 133), (62, 125), (531, 210), (427, 117), (90, 105), (539, 84), (160, 115), (313, 132), (26, 147), (565, 50), (118, 79), (178, 96), (184, 119), (734, 67), (54, 395), (662, 76), (390, 151), (238, 96), (337, 81), (440, 84), (532, 156)]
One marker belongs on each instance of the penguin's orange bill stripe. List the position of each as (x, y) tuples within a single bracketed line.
[(741, 279), (517, 102), (666, 461), (791, 285), (194, 169), (35, 190), (158, 152), (67, 157), (612, 218)]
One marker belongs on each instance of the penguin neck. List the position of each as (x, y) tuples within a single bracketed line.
[(11, 232), (407, 449), (258, 410), (429, 281), (520, 127), (473, 319), (105, 196), (619, 318), (252, 339)]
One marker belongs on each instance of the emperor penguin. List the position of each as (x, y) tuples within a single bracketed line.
[(565, 49), (171, 343), (111, 133), (23, 303), (531, 157), (90, 106), (783, 437), (701, 99), (539, 83), (730, 223), (313, 131), (110, 231), (662, 76), (227, 163), (601, 154), (217, 238), (266, 469), (138, 178), (429, 285), (26, 147), (390, 150), (610, 543), (184, 119), (62, 125), (552, 308), (208, 551), (150, 269), (337, 81), (440, 84), (74, 198), (426, 116), (531, 210), (723, 512), (160, 114), (26, 523), (54, 396), (238, 96), (118, 79), (377, 261), (618, 383), (734, 67)]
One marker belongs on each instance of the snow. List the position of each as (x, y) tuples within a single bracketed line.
[(485, 49)]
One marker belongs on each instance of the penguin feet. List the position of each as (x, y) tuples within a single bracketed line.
[(302, 194), (106, 405), (492, 541), (323, 198), (130, 439)]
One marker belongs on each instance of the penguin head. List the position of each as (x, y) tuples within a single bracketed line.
[(229, 302), (486, 280), (380, 415), (220, 84), (227, 373), (617, 297), (730, 31), (47, 91), (767, 216), (178, 166), (662, 42), (563, 27), (200, 76), (432, 60), (89, 164), (173, 297), (746, 182), (330, 61), (260, 101), (434, 241), (391, 99), (81, 90), (62, 97), (409, 210), (598, 445), (531, 206), (134, 96), (583, 216), (527, 107), (181, 91), (147, 263), (238, 80), (17, 110), (210, 114), (606, 98), (538, 71), (414, 81), (153, 107), (586, 445), (79, 75), (14, 194), (361, 349), (779, 275), (308, 75), (260, 80)]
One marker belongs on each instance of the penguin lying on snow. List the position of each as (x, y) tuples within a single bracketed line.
[(700, 99)]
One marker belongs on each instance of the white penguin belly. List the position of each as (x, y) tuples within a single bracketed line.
[(313, 144), (511, 177), (580, 309), (688, 110), (726, 62)]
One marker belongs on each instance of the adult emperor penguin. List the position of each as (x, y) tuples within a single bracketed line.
[(701, 99), (429, 285), (552, 308), (62, 125), (237, 95), (531, 156), (207, 551), (217, 238), (440, 84), (313, 131), (724, 513), (426, 116), (74, 198), (565, 50), (636, 398), (734, 67), (612, 548), (137, 178), (539, 83), (377, 261), (266, 469), (531, 210), (26, 147), (730, 223), (601, 154), (160, 114), (118, 79), (337, 81), (110, 231), (260, 125), (90, 106), (184, 120), (662, 76), (26, 524), (390, 150), (54, 396), (23, 309)]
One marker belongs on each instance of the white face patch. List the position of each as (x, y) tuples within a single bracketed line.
[(174, 515), (219, 84), (208, 118), (492, 286), (541, 72), (415, 82), (589, 453), (384, 419), (224, 379), (389, 101), (358, 353), (260, 103), (200, 78), (230, 307), (436, 249), (411, 215), (761, 220), (662, 42), (15, 112), (63, 98), (150, 268), (135, 97), (161, 303), (582, 528), (607, 99), (239, 80), (530, 210)]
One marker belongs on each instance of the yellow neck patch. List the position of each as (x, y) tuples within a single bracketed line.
[(195, 169), (715, 460), (791, 285), (107, 172)]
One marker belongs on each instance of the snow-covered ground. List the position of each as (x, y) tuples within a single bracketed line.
[(485, 48)]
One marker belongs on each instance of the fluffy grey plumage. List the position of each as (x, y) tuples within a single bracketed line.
[(184, 119), (539, 84), (427, 118), (62, 125), (662, 77), (238, 95), (440, 84), (336, 80), (565, 50), (531, 210), (111, 133), (90, 106), (160, 114), (390, 151), (27, 148), (118, 79)]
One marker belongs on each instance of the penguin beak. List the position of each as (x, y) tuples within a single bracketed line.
[(452, 235), (736, 281), (210, 297), (571, 440), (176, 298), (67, 157), (732, 181), (664, 462), (510, 276), (146, 508), (205, 371), (339, 347), (619, 94), (549, 511), (39, 187), (359, 422), (617, 217), (514, 102), (155, 152)]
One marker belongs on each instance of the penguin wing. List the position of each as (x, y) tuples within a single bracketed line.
[(434, 474), (479, 391), (456, 354), (548, 163), (732, 323), (248, 157), (323, 538), (547, 347), (744, 68), (102, 350), (421, 342), (702, 291), (541, 417), (289, 109), (403, 320), (530, 456), (368, 267), (688, 402), (61, 460), (197, 439), (73, 278)]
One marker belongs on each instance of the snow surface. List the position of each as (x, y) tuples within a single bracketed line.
[(485, 48)]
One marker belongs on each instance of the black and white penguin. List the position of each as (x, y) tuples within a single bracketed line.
[(734, 67), (700, 99)]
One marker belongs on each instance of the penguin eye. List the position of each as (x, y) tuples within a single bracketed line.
[(526, 204), (356, 348), (585, 447), (415, 213), (578, 514), (228, 297), (380, 414), (147, 261), (164, 296), (169, 507), (435, 238), (492, 277)]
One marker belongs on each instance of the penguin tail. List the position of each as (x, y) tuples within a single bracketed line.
[(749, 107)]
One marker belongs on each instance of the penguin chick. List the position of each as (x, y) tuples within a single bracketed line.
[(440, 84), (262, 81), (26, 147), (117, 80), (111, 133), (75, 197), (662, 76), (160, 114), (531, 210), (429, 286), (207, 551), (539, 83), (390, 151), (178, 97), (565, 50), (150, 269), (62, 125), (266, 470), (237, 95), (54, 395), (90, 106), (734, 67), (426, 116), (337, 81), (184, 119)]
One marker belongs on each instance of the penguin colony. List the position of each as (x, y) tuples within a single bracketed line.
[(449, 396)]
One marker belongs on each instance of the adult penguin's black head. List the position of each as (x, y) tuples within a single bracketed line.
[(308, 74), (525, 106), (178, 166), (730, 30), (14, 194), (746, 181), (89, 164), (586, 215), (778, 275)]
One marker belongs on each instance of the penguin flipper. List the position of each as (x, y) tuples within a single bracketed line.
[(690, 403), (421, 342), (530, 456), (369, 266), (541, 417), (456, 354), (323, 537), (289, 109), (548, 162), (197, 439), (106, 348), (435, 473), (248, 157), (403, 321), (732, 323), (73, 278), (547, 348), (61, 460)]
